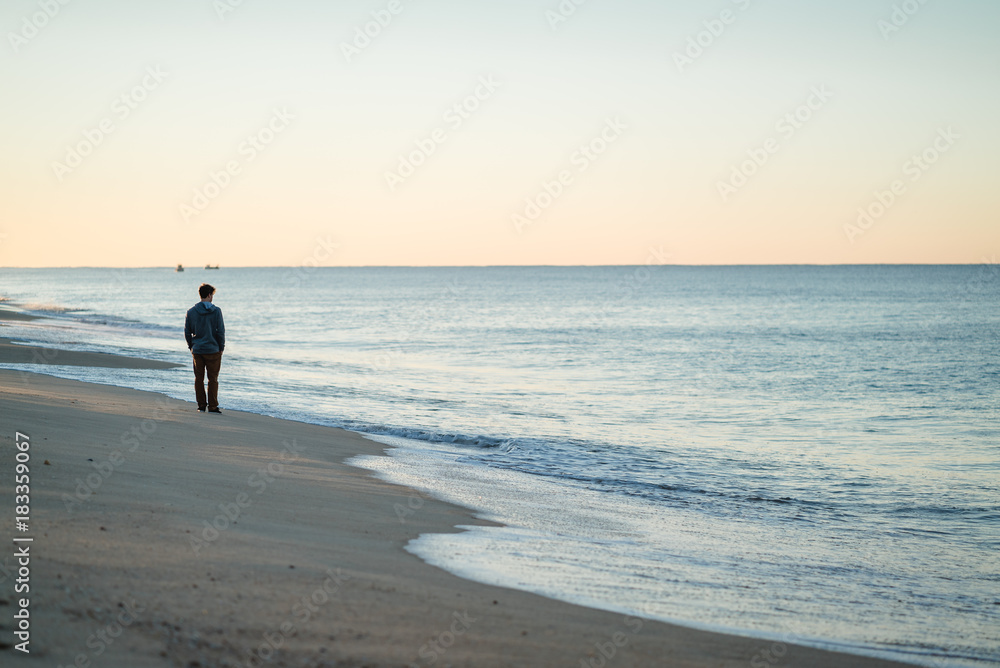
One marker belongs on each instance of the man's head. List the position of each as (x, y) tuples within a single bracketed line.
[(206, 291)]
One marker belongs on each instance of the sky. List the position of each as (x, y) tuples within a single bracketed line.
[(464, 132)]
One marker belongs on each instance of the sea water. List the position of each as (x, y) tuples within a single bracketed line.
[(807, 454)]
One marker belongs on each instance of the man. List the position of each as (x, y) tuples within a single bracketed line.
[(206, 338)]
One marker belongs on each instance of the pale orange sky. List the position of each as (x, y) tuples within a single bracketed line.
[(497, 102)]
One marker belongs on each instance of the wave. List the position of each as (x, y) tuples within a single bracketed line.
[(484, 442), (540, 457), (43, 308), (90, 318), (126, 323)]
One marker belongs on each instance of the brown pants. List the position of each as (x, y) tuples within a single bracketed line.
[(210, 363)]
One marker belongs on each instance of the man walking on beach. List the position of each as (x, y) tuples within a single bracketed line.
[(206, 338)]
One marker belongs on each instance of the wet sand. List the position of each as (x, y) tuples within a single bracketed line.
[(168, 537)]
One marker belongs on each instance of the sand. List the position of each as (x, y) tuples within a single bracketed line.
[(18, 316), (307, 569), (14, 353)]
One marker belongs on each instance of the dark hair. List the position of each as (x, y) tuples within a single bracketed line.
[(205, 290)]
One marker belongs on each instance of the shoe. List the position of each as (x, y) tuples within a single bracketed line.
[(201, 409), (215, 410)]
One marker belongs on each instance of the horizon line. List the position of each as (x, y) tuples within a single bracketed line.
[(513, 266)]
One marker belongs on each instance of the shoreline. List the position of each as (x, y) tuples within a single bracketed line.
[(12, 352), (309, 524)]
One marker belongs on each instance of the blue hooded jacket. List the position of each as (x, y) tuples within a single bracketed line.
[(204, 330)]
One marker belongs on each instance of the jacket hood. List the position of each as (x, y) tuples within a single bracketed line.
[(205, 307)]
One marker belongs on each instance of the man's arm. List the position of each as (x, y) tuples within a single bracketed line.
[(188, 334), (220, 334)]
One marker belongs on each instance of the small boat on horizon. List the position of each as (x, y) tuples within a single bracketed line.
[(208, 266), (180, 267)]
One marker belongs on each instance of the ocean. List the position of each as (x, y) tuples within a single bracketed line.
[(803, 454)]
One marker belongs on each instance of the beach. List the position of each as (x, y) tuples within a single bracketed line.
[(551, 334), (167, 537)]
